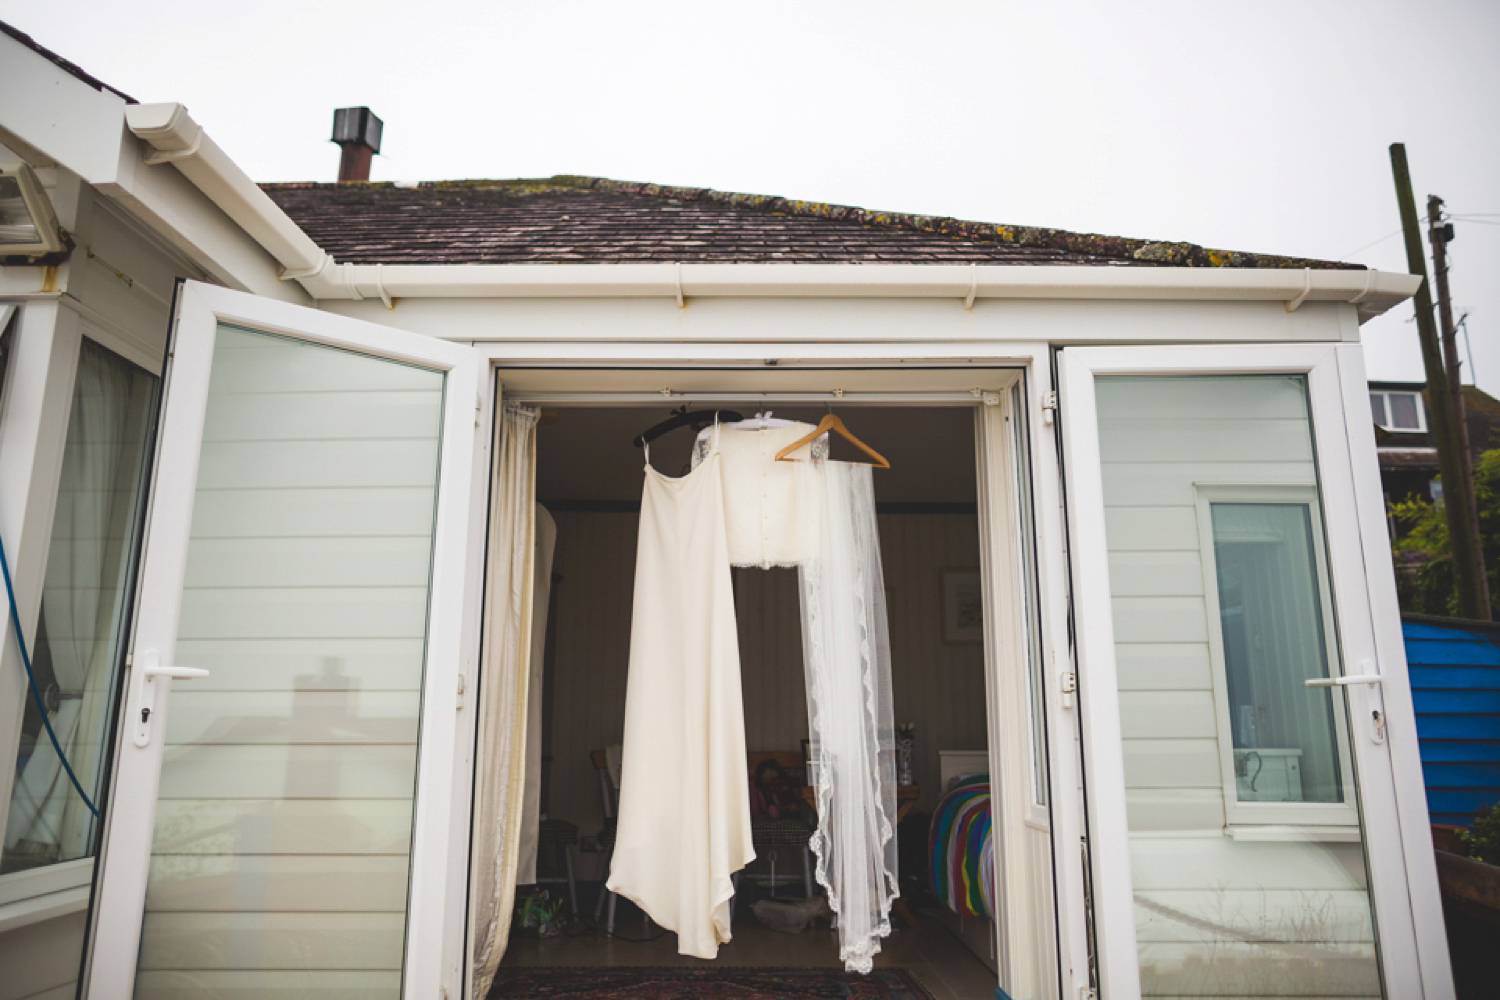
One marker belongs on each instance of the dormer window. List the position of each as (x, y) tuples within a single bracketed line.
[(1399, 411)]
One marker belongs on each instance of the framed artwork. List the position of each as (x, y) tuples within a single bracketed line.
[(963, 606)]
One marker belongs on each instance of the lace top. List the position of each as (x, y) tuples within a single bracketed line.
[(759, 492)]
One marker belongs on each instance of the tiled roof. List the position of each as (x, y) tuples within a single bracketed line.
[(590, 220)]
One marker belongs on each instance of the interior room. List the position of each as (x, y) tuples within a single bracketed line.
[(589, 480)]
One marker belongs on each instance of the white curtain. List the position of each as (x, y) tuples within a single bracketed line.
[(847, 660), (504, 677), (531, 812), (75, 644)]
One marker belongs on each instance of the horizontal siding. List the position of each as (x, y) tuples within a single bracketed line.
[(1455, 679), (289, 826), (275, 941), (275, 984)]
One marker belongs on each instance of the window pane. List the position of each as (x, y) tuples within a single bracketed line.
[(1271, 621), (75, 645), (283, 822), (1404, 410), (1235, 896), (1377, 408)]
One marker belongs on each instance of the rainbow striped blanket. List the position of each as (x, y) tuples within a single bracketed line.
[(961, 849)]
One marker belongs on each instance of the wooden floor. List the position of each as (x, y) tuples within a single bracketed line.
[(931, 953)]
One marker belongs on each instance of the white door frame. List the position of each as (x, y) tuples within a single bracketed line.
[(126, 848), (589, 367), (1403, 874)]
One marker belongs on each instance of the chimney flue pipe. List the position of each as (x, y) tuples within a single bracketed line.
[(357, 131)]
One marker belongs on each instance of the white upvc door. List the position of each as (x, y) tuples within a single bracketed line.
[(273, 826), (1257, 819)]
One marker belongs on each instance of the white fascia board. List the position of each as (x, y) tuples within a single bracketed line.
[(1372, 291), (56, 116)]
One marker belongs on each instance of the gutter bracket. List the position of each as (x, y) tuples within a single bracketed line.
[(351, 283), (385, 296), (1293, 305), (1369, 287), (677, 270), (973, 287)]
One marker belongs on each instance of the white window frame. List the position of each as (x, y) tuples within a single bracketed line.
[(1402, 870), (1385, 398), (115, 924), (1306, 816)]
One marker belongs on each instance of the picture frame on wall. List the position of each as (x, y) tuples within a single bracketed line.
[(963, 606)]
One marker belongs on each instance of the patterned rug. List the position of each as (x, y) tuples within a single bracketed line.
[(705, 984)]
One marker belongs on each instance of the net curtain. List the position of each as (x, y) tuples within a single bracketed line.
[(508, 765), (81, 602)]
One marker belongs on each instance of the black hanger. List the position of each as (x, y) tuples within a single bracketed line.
[(680, 417)]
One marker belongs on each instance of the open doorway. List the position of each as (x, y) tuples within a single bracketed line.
[(589, 481)]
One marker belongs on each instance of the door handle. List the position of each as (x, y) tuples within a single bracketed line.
[(144, 706), (1374, 700), (180, 673), (1345, 681)]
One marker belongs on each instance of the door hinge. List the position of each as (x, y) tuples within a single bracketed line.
[(1049, 405), (1067, 683), (461, 685)]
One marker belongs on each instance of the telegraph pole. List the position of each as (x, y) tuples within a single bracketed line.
[(1458, 501), (1439, 233)]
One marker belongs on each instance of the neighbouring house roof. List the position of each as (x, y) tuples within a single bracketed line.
[(591, 220)]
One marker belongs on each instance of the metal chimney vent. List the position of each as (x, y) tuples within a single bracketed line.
[(357, 131)]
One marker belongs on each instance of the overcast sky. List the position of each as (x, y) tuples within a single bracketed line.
[(1248, 126)]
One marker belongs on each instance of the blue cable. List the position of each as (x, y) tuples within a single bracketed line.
[(36, 692)]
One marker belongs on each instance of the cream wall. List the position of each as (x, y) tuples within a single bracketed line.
[(938, 686)]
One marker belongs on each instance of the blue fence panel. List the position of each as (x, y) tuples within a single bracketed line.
[(1455, 681)]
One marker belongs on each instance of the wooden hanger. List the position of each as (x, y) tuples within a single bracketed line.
[(833, 423)]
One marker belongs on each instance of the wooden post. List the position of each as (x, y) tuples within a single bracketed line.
[(1458, 496), (1438, 235)]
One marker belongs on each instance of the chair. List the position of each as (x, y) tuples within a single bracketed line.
[(766, 835), (562, 837), (609, 795)]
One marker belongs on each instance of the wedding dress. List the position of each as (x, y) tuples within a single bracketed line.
[(684, 815)]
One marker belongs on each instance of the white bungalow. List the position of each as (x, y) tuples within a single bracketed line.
[(1135, 550)]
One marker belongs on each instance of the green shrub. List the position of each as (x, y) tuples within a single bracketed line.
[(1482, 840), (1424, 565)]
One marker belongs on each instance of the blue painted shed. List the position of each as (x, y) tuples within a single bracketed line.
[(1455, 680)]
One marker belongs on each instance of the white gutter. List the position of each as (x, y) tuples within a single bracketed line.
[(179, 140), (1373, 291)]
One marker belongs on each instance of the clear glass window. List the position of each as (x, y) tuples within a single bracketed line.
[(1404, 412), (1271, 622)]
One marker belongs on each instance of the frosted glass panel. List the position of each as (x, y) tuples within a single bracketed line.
[(283, 824), (1246, 851)]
